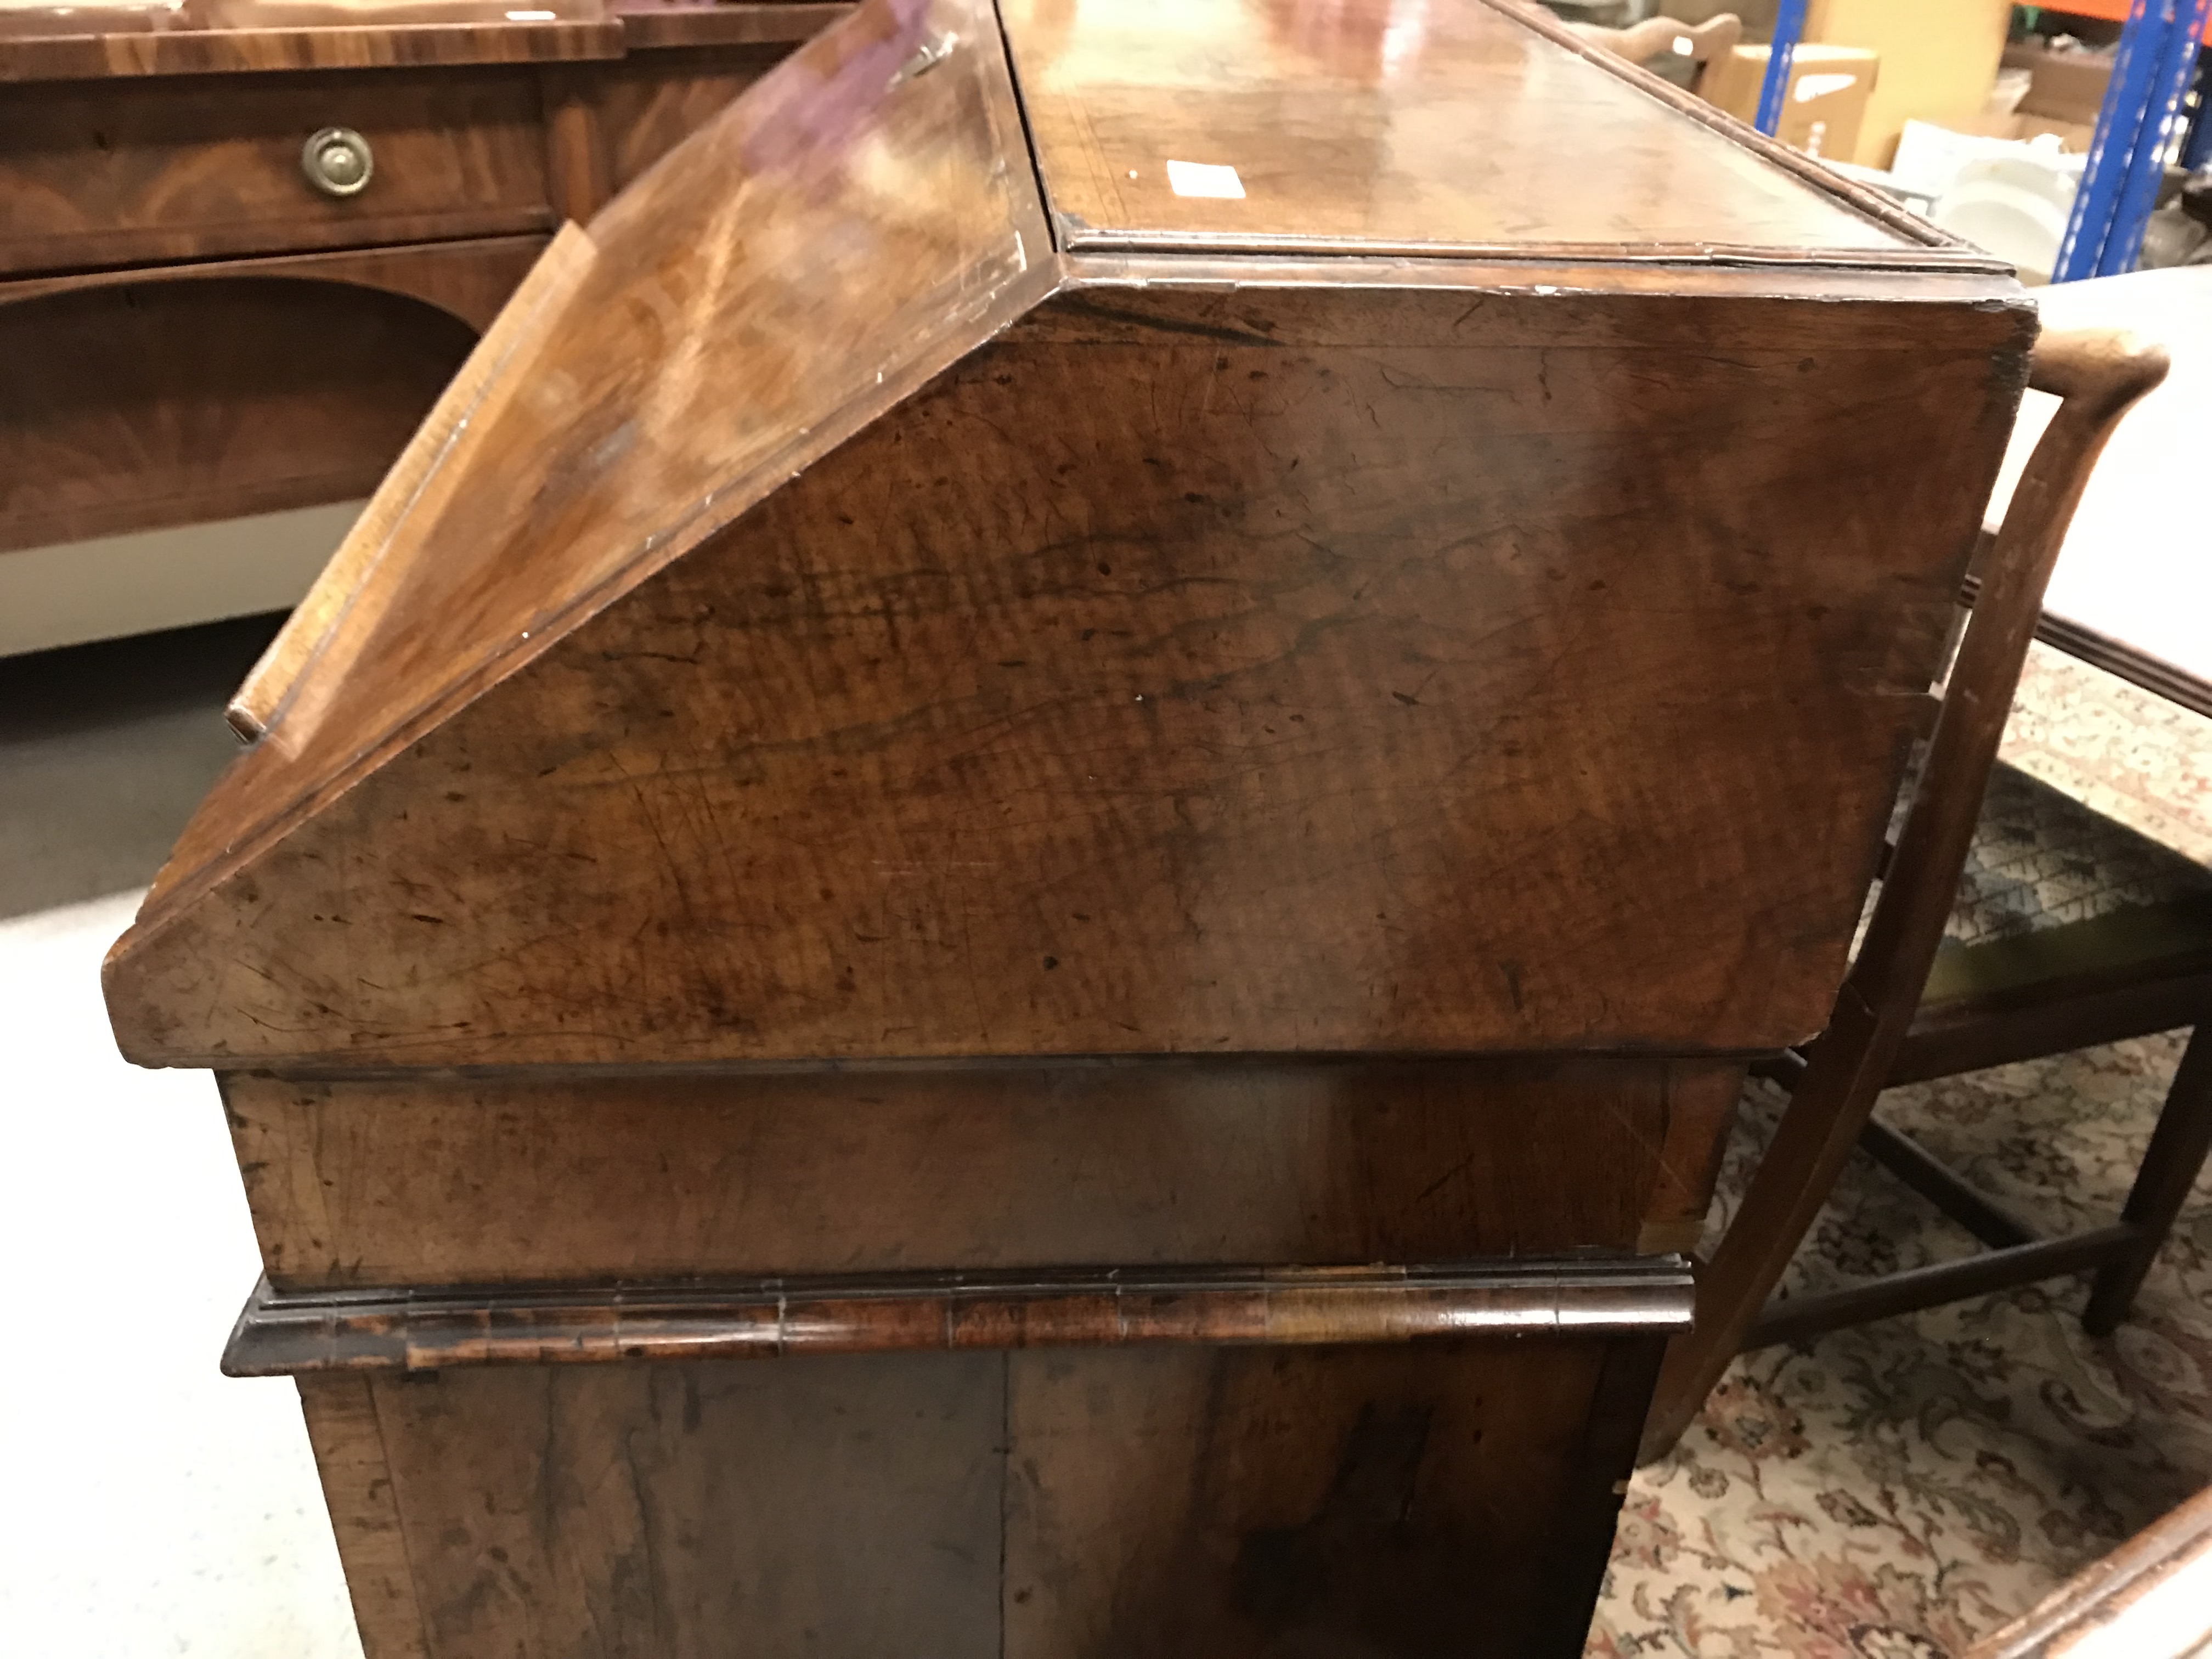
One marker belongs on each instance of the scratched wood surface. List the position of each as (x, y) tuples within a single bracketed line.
[(862, 740), (460, 1181), (1362, 125), (1188, 673), (1177, 1501), (768, 375)]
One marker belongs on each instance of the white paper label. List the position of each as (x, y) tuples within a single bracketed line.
[(1810, 86), (1204, 178)]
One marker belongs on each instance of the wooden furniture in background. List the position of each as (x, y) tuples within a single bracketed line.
[(2027, 973), (1699, 44), (195, 328), (2133, 588), (2007, 999), (2149, 1599), (1010, 898)]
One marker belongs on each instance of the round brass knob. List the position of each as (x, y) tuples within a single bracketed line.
[(338, 162)]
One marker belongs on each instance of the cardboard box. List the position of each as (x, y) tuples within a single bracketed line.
[(1829, 86), (1939, 60), (2072, 135), (2061, 86)]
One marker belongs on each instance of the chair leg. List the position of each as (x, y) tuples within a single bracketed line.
[(2169, 1169), (1818, 1131)]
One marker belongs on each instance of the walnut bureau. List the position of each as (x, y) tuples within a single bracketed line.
[(1009, 901), (244, 244)]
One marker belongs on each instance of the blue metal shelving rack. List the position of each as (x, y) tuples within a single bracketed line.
[(2156, 62), (2151, 75), (1788, 25)]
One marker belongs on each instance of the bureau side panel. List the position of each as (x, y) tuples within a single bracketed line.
[(458, 1180), (843, 1507), (1383, 670), (1082, 1504)]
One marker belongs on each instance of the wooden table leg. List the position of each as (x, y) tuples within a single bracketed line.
[(2169, 1169)]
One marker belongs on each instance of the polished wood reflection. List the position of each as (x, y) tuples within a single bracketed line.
[(867, 738), (1142, 734), (587, 1176), (1353, 123)]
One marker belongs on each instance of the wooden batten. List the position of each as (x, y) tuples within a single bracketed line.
[(385, 1330)]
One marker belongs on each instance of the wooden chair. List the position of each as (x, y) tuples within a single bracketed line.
[(2148, 1600), (1703, 44), (2029, 971)]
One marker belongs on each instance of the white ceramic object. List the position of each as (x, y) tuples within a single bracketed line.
[(2015, 205)]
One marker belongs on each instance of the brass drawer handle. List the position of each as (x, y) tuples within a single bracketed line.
[(337, 161)]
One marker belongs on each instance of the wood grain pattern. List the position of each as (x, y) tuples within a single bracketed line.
[(578, 171), (780, 23), (1312, 638), (1700, 1107), (518, 322), (111, 55), (469, 279), (1340, 143), (957, 264), (1338, 1503), (579, 1177), (936, 270), (910, 787), (356, 1478), (2100, 377), (211, 168), (1122, 1503), (652, 101), (130, 406), (839, 1505), (191, 160), (694, 1321)]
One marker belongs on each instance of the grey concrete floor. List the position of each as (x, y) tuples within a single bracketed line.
[(105, 750), (155, 1508)]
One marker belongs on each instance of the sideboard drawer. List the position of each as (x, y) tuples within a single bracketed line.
[(202, 167)]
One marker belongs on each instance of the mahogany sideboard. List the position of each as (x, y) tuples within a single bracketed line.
[(201, 319), (1009, 901)]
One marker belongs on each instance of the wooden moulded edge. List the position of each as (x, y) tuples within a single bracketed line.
[(1080, 238), (134, 56), (434, 1329), (1867, 202), (237, 51), (1925, 247), (2145, 1600), (1091, 272), (2116, 657), (774, 23), (268, 687)]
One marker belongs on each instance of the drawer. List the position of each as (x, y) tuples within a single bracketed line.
[(112, 173)]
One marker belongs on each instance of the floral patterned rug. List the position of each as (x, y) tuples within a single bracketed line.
[(1898, 1490)]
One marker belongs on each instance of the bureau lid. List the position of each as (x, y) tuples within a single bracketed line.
[(1413, 127)]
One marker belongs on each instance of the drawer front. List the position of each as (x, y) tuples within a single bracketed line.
[(100, 173)]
